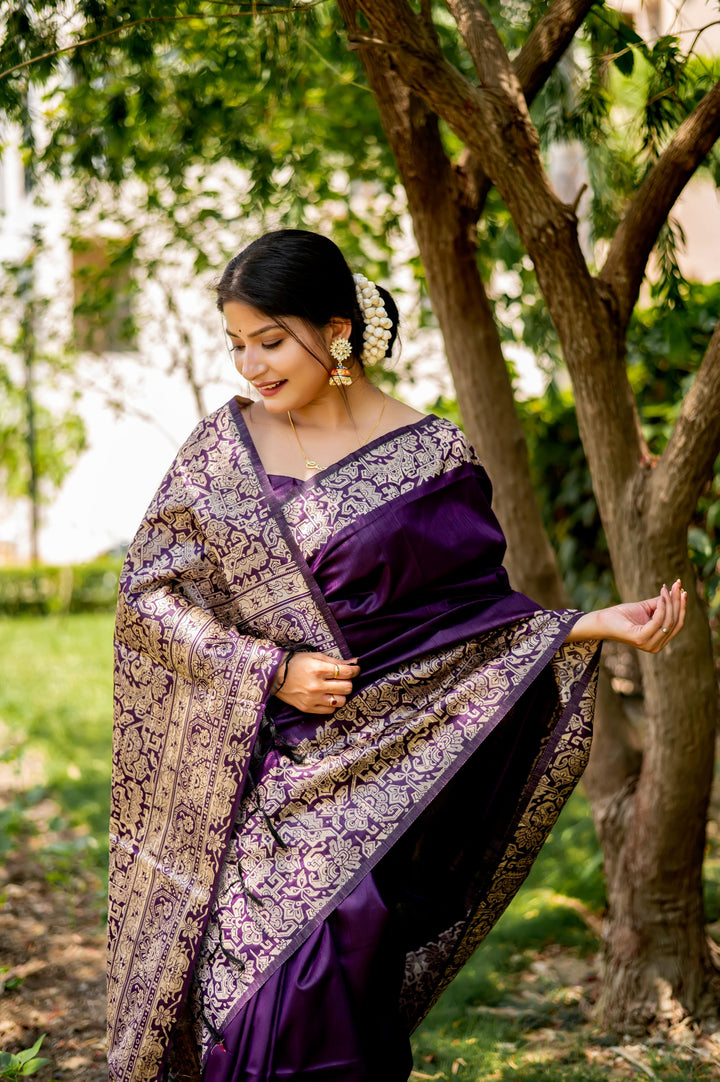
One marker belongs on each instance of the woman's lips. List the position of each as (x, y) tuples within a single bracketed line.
[(267, 390)]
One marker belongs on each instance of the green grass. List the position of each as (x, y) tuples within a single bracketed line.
[(56, 703)]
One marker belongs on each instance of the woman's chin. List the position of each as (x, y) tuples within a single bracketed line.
[(272, 405)]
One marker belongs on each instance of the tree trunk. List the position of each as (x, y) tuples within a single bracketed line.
[(652, 827), (445, 231), (651, 816)]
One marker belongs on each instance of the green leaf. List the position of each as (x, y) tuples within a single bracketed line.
[(29, 1054), (33, 1065), (625, 61), (627, 33), (700, 542)]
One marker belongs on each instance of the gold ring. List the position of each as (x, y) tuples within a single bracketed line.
[(333, 700), (664, 630), (337, 672)]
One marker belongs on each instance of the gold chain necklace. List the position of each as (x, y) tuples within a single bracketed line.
[(310, 463)]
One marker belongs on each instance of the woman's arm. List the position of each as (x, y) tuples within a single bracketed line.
[(174, 606), (648, 625)]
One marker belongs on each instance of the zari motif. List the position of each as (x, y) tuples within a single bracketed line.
[(391, 468)]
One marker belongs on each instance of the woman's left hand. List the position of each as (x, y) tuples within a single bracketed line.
[(648, 625)]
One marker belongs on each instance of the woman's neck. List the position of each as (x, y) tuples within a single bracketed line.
[(340, 410)]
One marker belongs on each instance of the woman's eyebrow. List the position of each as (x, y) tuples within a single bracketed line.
[(267, 327)]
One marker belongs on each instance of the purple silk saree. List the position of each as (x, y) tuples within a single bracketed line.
[(217, 886)]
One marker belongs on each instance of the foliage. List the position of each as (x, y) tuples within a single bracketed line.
[(175, 154), (622, 98), (666, 344), (665, 347), (277, 95), (22, 1064), (89, 587), (60, 438), (562, 481), (283, 112), (32, 355), (16, 826)]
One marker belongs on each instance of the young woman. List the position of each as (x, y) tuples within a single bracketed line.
[(341, 737)]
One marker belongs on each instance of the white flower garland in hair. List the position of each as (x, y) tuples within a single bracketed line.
[(376, 338)]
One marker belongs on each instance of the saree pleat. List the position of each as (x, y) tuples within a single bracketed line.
[(408, 819), (330, 1014)]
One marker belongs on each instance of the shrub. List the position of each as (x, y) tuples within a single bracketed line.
[(40, 591)]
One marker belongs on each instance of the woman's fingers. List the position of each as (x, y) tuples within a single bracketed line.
[(336, 687), (678, 598), (669, 616), (325, 704), (318, 683), (336, 669), (673, 598)]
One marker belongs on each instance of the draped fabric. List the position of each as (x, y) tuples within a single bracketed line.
[(467, 729)]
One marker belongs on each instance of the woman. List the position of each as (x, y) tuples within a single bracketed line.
[(341, 738)]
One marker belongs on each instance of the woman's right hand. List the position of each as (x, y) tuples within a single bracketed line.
[(315, 683)]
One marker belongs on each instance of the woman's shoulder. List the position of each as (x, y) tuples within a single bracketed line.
[(210, 431), (448, 438), (398, 414)]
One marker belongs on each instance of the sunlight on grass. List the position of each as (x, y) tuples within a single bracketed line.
[(56, 702)]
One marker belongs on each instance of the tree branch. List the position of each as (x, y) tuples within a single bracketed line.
[(687, 462), (548, 41), (493, 121), (484, 117), (489, 57), (637, 233)]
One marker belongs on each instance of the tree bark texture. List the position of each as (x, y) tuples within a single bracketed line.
[(445, 230), (649, 804), (650, 813)]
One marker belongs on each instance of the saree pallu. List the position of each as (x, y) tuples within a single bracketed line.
[(393, 555)]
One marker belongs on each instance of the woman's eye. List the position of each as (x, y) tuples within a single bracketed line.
[(272, 345), (236, 349)]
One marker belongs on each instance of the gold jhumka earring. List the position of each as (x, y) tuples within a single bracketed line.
[(340, 350)]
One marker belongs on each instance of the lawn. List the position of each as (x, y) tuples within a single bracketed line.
[(521, 1009), (56, 710)]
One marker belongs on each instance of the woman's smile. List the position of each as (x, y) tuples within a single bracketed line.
[(269, 389)]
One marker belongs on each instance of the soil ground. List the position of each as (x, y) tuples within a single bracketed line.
[(52, 955)]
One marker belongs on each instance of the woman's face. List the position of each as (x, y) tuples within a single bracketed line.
[(283, 371)]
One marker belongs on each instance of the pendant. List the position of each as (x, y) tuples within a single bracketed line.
[(312, 465)]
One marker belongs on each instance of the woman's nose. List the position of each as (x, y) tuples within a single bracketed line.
[(252, 364)]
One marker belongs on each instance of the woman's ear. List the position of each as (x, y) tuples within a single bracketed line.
[(339, 328)]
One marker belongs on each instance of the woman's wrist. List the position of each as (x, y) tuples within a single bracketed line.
[(281, 673), (589, 626)]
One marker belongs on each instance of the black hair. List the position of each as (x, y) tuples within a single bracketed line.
[(293, 272)]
